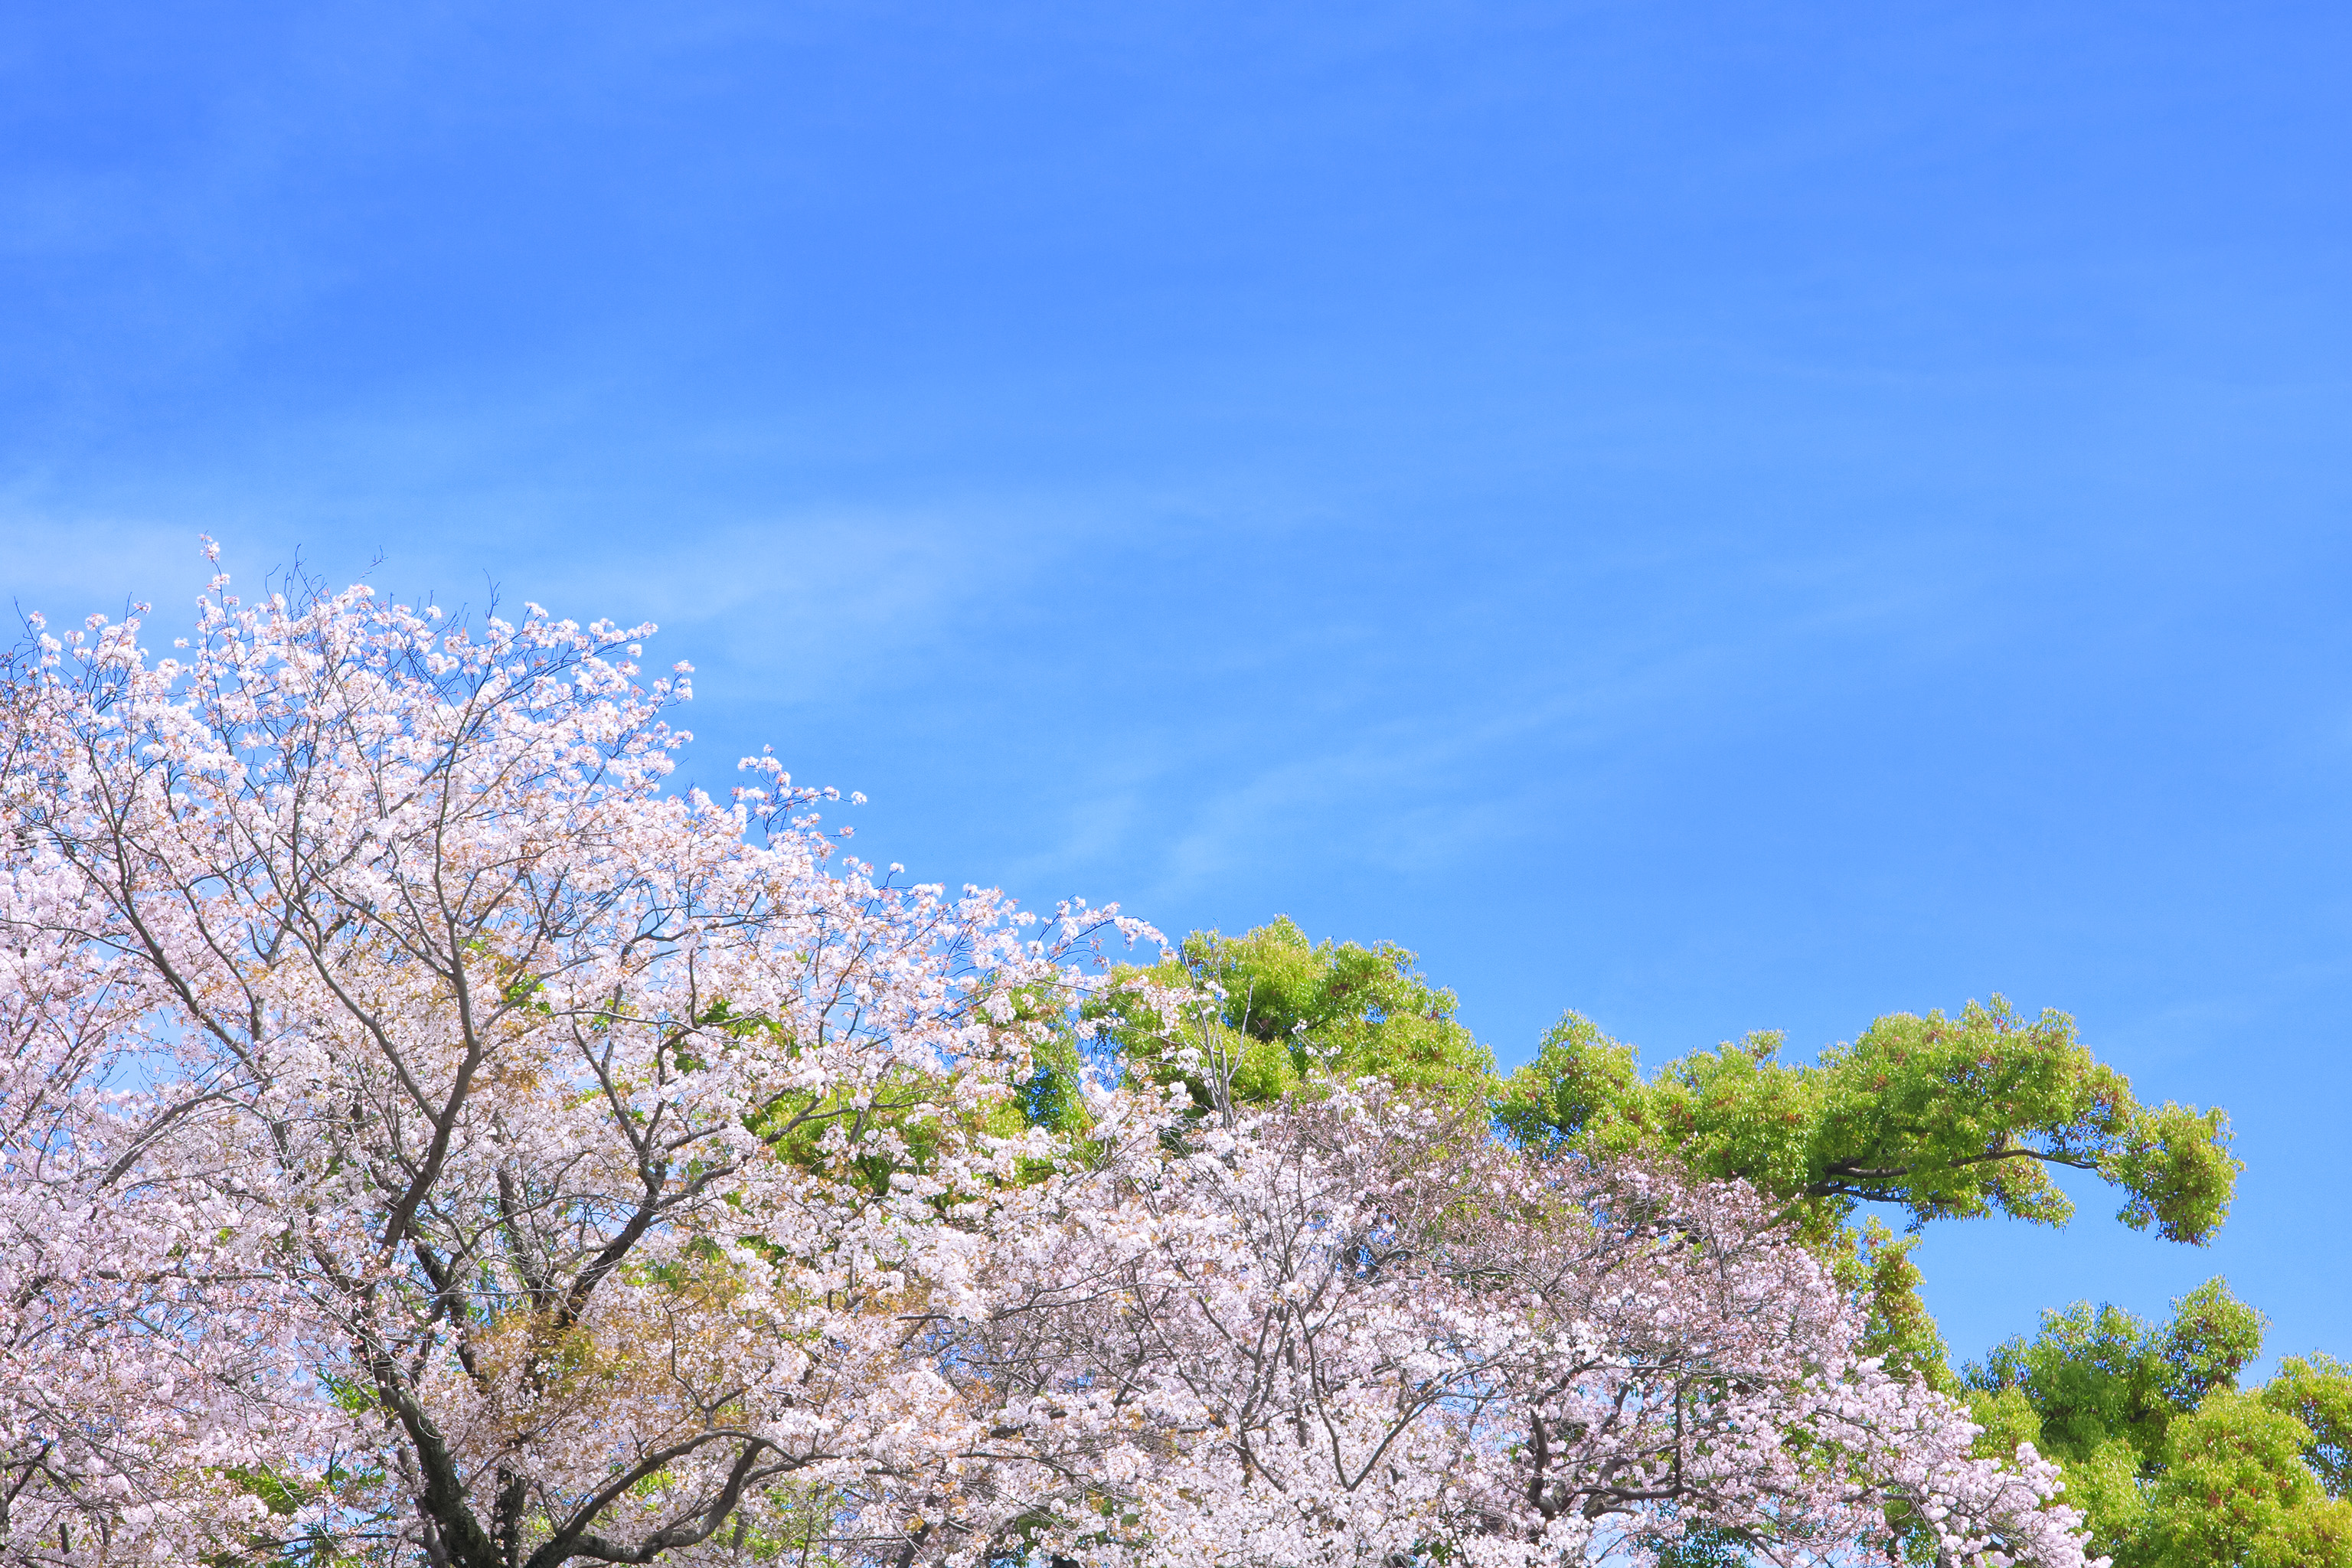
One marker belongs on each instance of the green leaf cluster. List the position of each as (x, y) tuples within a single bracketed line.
[(1280, 1011), (1942, 1117), (2172, 1464)]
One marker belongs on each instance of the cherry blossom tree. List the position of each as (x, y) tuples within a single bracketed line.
[(428, 1138), (420, 1122), (1362, 1330), (144, 1352)]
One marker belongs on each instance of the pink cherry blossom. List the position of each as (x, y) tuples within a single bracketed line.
[(1359, 1331)]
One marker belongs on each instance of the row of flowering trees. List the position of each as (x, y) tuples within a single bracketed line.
[(426, 1140)]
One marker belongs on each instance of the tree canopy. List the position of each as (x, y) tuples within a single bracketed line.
[(1941, 1117), (1270, 1011), (428, 1140), (1936, 1116), (2173, 1464)]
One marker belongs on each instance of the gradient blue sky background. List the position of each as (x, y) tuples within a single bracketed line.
[(1724, 517)]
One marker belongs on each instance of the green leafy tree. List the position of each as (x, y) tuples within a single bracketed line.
[(1943, 1118), (2316, 1390), (2173, 1465), (1273, 1010), (1940, 1117), (2235, 1492)]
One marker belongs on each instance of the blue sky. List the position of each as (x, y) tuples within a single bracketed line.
[(1722, 517)]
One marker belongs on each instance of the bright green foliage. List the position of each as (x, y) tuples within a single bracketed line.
[(1902, 1334), (2235, 1493), (2173, 1466), (1583, 1089), (1283, 1010), (2316, 1390), (1945, 1117), (2100, 1375), (2008, 1418)]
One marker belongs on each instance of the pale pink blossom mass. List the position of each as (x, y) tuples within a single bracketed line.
[(427, 1137)]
